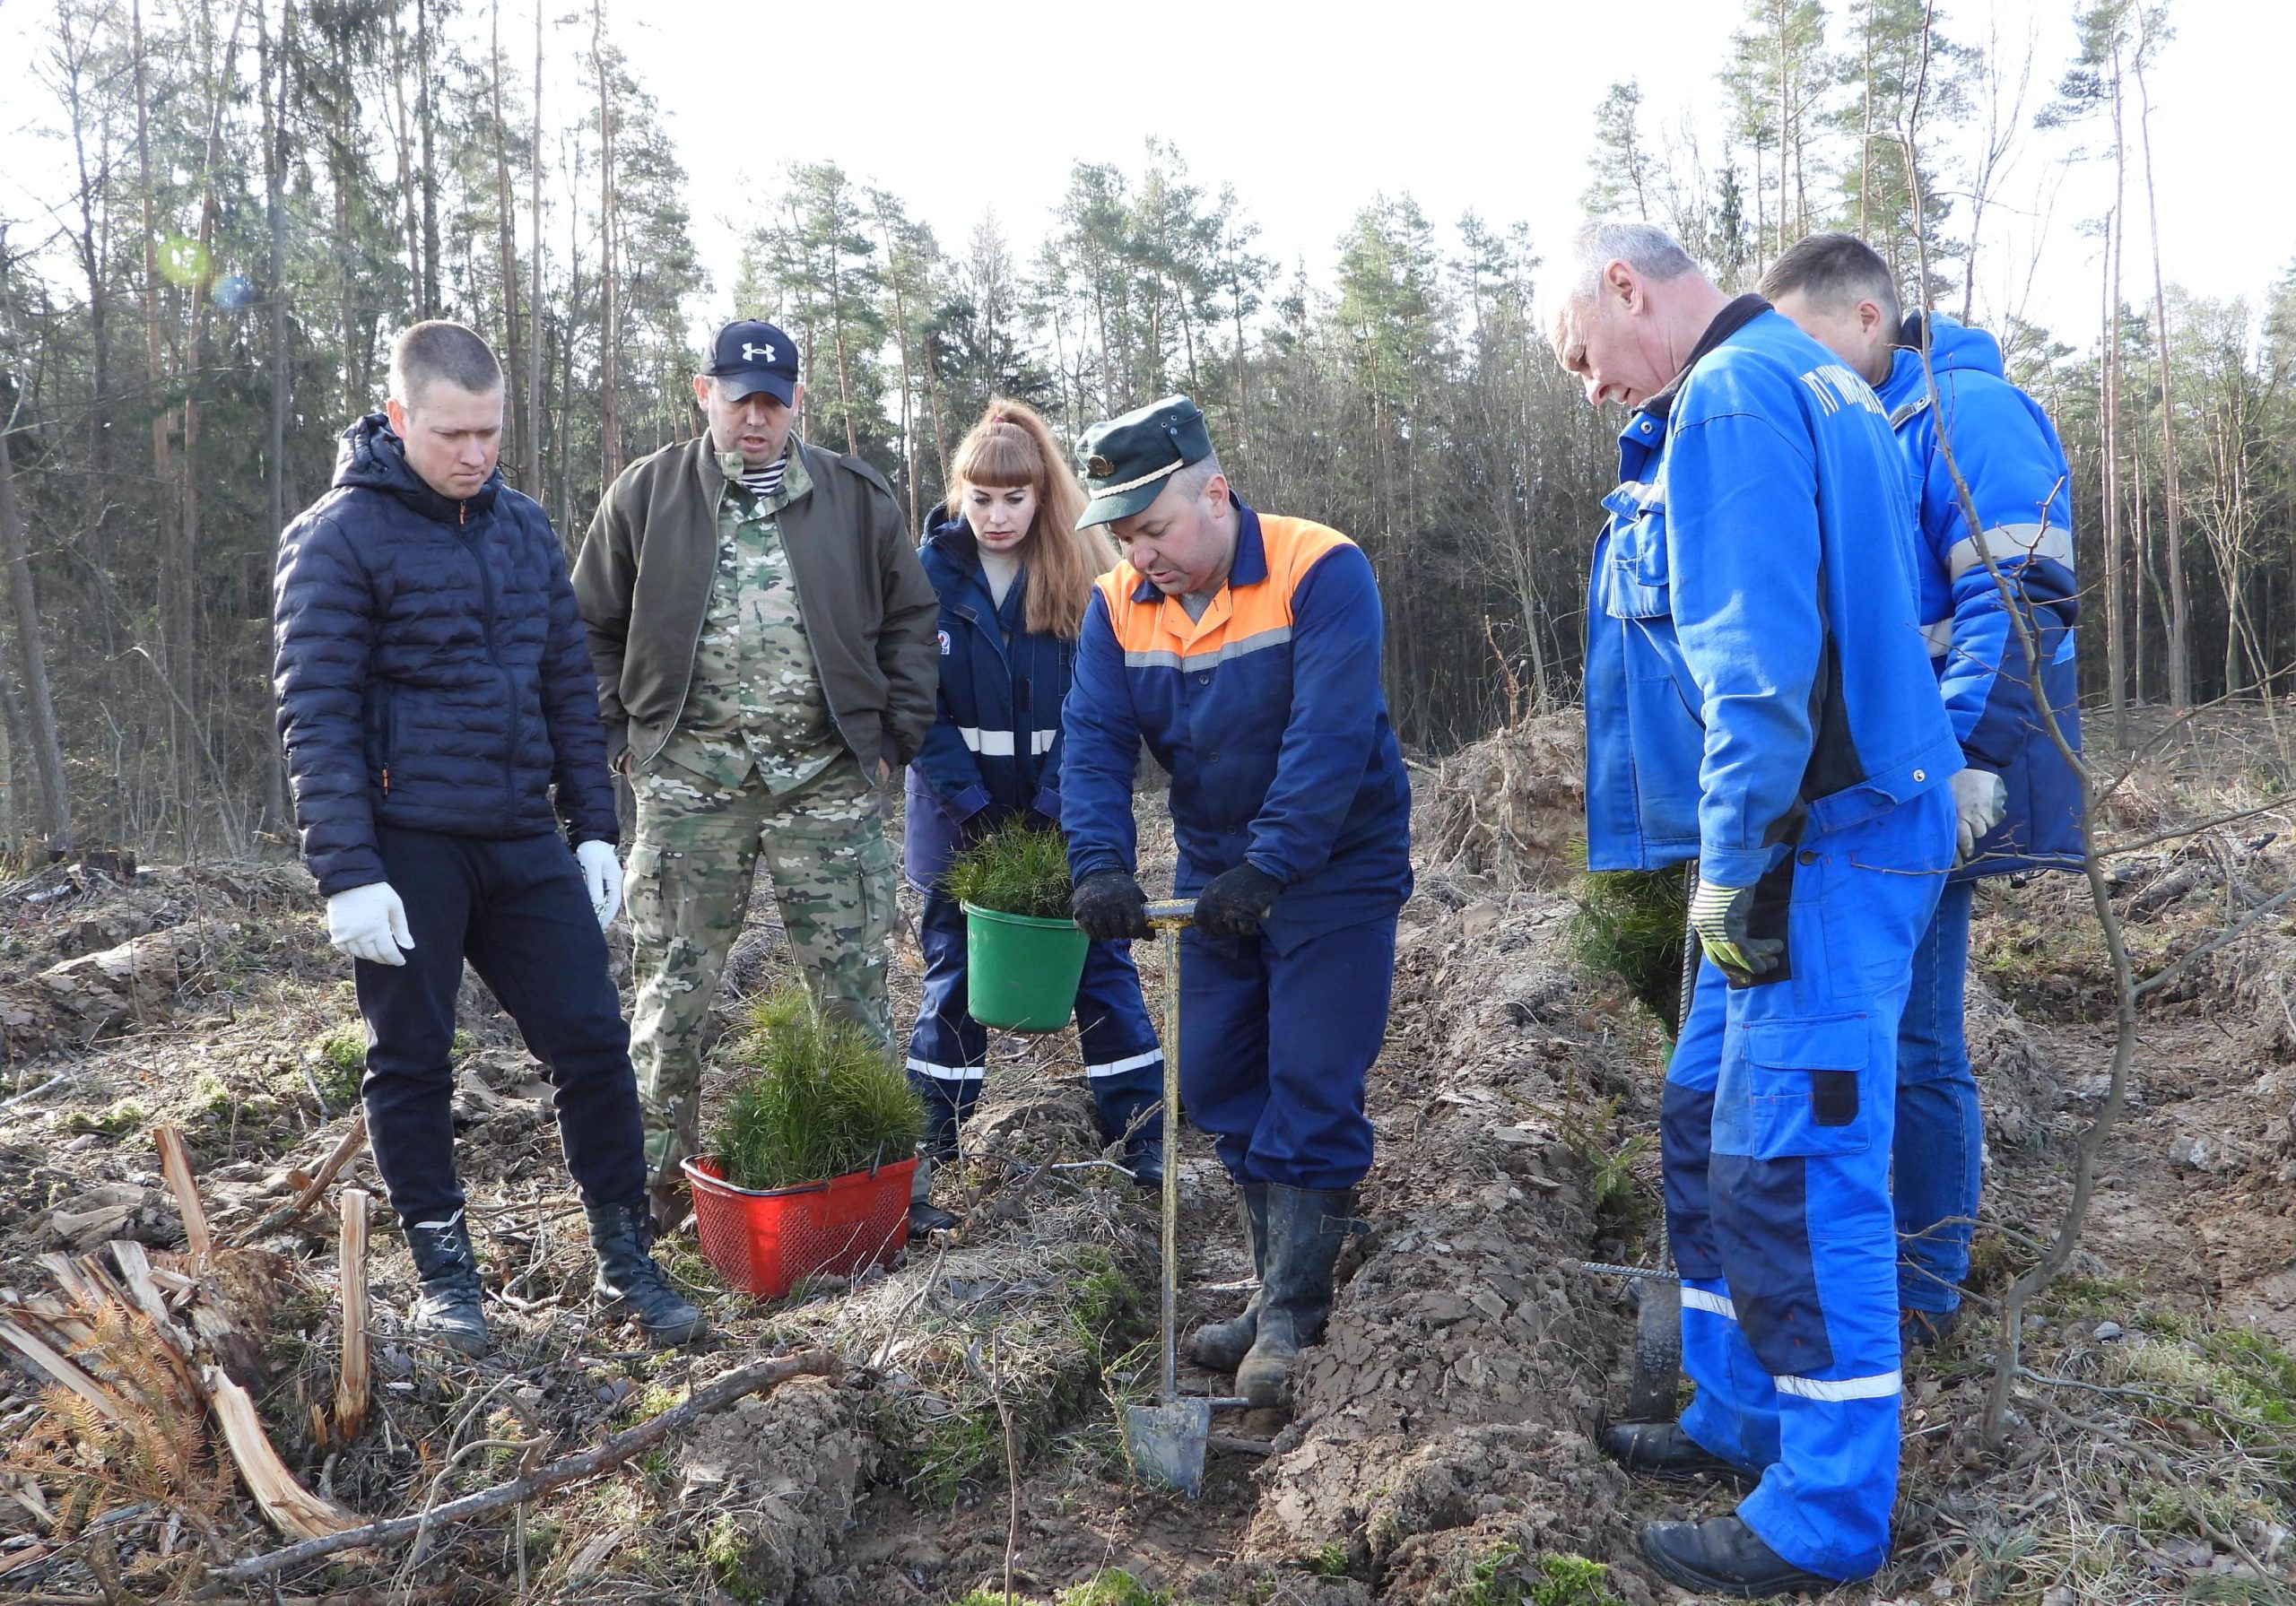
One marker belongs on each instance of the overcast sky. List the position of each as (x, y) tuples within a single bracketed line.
[(1310, 109)]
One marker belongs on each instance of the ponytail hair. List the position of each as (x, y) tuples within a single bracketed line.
[(1009, 447)]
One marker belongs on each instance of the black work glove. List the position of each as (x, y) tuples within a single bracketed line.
[(1110, 906), (1236, 901)]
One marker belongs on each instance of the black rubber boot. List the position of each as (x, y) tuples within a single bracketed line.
[(448, 1308), (1305, 1229), (924, 1217), (628, 1281), (1723, 1555), (1136, 1116), (1221, 1346), (1662, 1450), (1925, 1329)]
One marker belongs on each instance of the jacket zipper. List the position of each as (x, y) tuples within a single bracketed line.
[(486, 630)]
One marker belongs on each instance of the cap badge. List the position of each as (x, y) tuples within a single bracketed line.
[(751, 353), (1099, 467)]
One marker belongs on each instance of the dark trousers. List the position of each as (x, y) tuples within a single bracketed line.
[(1274, 1048), (516, 908)]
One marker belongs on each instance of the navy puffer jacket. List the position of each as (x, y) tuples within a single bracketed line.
[(432, 671)]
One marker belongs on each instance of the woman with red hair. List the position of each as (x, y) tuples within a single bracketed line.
[(1014, 573)]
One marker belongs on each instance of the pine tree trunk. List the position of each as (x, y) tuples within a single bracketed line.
[(506, 236), (535, 368), (2172, 488), (273, 181), (175, 578), (609, 318), (47, 752)]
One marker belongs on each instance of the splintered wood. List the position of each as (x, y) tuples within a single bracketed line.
[(351, 1382), (144, 1339)]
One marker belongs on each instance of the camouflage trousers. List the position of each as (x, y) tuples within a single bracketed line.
[(689, 875)]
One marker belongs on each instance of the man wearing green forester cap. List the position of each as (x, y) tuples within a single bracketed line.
[(1245, 650)]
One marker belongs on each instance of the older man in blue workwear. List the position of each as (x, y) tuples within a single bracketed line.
[(1245, 649), (1758, 695), (2019, 799)]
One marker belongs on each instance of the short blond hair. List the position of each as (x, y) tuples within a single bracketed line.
[(437, 350)]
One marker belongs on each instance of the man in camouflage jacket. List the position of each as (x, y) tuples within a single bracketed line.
[(764, 640)]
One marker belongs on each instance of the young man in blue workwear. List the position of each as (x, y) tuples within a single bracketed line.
[(1245, 649), (1758, 697), (2019, 799)]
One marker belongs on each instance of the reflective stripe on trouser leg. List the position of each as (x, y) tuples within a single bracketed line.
[(1804, 1107), (1733, 1412), (688, 887), (948, 1049), (1941, 1125), (1124, 1065), (835, 880)]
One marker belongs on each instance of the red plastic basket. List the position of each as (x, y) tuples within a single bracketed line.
[(763, 1242)]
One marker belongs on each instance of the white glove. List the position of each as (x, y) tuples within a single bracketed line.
[(603, 873), (369, 923), (1980, 798)]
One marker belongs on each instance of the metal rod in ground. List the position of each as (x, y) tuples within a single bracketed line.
[(1171, 1200), (1642, 1274)]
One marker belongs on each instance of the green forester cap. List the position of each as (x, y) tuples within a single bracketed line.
[(1127, 460)]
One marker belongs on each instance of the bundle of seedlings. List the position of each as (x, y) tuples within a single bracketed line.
[(822, 1099), (1016, 869), (1629, 926)]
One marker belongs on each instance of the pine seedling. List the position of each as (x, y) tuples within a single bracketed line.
[(1017, 869)]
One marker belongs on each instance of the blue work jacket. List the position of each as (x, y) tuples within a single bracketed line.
[(2009, 455), (1269, 713), (994, 746), (1754, 659)]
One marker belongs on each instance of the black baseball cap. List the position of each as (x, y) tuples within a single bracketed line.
[(750, 355)]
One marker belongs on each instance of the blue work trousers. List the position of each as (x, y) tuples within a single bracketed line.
[(1274, 1048), (948, 1049), (1776, 1123), (1941, 1127)]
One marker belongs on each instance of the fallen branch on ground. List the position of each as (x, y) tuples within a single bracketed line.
[(623, 1446), (353, 1140)]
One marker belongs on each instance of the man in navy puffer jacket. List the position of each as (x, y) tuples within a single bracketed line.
[(441, 725)]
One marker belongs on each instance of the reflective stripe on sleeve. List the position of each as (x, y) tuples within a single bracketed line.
[(2010, 543), (1882, 1385)]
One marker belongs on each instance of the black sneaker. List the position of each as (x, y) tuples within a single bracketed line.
[(631, 1283), (1662, 1450), (1724, 1556), (927, 1219), (448, 1309)]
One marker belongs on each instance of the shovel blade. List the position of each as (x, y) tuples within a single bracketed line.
[(1167, 1442)]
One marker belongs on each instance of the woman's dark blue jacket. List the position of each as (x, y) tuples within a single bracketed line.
[(995, 747), (432, 669)]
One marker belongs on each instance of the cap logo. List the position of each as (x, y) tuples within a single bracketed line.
[(751, 353), (1099, 467)]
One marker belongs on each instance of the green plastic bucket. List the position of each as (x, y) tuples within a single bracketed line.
[(1023, 970)]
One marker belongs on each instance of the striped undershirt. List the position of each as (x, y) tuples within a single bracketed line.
[(766, 481)]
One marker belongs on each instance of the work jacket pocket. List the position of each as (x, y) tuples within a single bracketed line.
[(1633, 583), (1798, 1086)]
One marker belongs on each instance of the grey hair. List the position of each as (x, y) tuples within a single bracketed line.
[(1190, 482), (1646, 248)]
